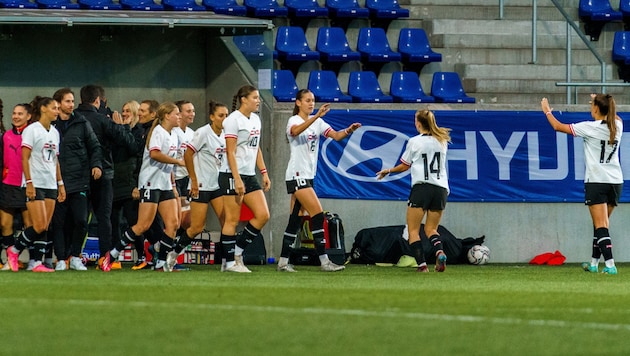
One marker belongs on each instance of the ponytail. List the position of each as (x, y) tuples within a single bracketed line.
[(611, 119), (426, 118), (607, 107)]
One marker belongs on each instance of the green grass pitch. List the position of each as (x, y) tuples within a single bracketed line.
[(496, 309)]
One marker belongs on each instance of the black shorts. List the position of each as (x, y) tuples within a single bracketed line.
[(155, 195), (226, 183), (297, 184), (13, 197), (599, 193), (182, 186), (206, 196), (43, 194), (427, 197)]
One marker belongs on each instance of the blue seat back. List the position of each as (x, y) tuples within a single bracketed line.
[(413, 40), (261, 3), (343, 4), (291, 39), (332, 39), (601, 8), (58, 4), (100, 4), (447, 86), (364, 84), (382, 4), (373, 40), (284, 86), (323, 83), (227, 7), (624, 7), (621, 46), (18, 4), (407, 85), (302, 4)]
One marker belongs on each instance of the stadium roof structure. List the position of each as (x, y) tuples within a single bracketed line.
[(131, 18)]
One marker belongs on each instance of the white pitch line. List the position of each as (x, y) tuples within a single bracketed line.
[(319, 311)]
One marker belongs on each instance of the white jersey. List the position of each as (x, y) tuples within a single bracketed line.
[(209, 157), (304, 148), (183, 137), (246, 131), (44, 145), (153, 174), (602, 159), (427, 158)]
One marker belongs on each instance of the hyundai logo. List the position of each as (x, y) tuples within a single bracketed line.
[(367, 151)]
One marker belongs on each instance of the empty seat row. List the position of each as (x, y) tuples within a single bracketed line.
[(332, 46), (254, 8), (363, 87)]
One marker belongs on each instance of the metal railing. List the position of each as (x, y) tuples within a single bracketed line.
[(571, 24)]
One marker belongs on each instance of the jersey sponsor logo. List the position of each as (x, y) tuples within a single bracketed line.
[(367, 151)]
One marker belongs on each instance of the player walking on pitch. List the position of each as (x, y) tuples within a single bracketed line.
[(426, 156)]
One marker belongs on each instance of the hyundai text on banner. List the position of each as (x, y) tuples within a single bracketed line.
[(495, 156)]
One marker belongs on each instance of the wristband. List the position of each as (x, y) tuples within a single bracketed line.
[(548, 112), (347, 132), (29, 181), (263, 171), (59, 182)]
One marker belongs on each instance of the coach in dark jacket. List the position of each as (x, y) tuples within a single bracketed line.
[(110, 134), (79, 160)]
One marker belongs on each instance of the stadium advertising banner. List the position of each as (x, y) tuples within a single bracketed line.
[(495, 156)]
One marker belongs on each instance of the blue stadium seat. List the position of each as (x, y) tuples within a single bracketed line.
[(225, 7), (182, 5), (325, 87), (414, 46), (146, 5), (17, 4), (346, 8), (624, 8), (406, 88), (305, 8), (254, 47), (375, 50), (265, 8), (291, 45), (385, 9), (364, 88), (99, 5), (621, 54), (595, 14), (58, 4), (284, 87), (447, 88), (333, 46)]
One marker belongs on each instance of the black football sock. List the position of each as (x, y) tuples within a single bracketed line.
[(418, 253), (604, 242), (319, 238), (247, 236), (228, 242), (183, 241), (290, 233), (436, 242)]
